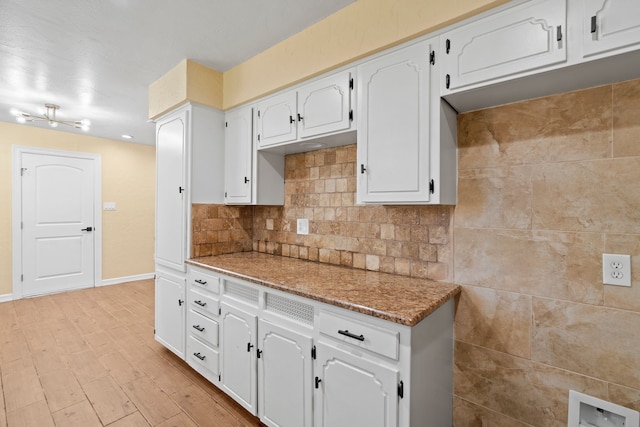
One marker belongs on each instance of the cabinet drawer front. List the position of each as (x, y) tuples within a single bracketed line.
[(203, 280), (203, 302), (200, 355), (378, 340), (203, 327)]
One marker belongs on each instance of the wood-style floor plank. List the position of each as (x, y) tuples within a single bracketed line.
[(61, 389), (78, 415), (35, 415), (108, 400), (89, 358)]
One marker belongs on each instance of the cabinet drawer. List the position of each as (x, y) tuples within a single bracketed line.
[(203, 280), (373, 338), (203, 302), (202, 327), (203, 359)]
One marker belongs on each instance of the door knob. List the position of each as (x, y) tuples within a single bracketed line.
[(87, 229)]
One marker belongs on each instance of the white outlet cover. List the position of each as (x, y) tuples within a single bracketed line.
[(109, 206), (616, 269), (303, 226)]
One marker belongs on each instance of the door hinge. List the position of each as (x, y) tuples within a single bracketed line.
[(225, 194), (258, 113), (22, 171), (258, 137), (351, 83), (432, 57), (313, 352), (350, 115), (401, 390), (219, 311), (447, 45), (432, 187)]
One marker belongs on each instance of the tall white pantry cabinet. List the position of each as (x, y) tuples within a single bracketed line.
[(189, 169)]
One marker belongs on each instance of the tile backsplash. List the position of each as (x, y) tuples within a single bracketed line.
[(321, 186)]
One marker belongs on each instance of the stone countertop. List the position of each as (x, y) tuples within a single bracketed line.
[(399, 299)]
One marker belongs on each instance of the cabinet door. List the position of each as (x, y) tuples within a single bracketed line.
[(284, 377), (170, 193), (170, 312), (516, 40), (238, 349), (610, 25), (324, 105), (353, 391), (238, 156), (277, 119), (393, 127)]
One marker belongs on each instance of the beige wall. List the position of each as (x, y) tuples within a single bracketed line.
[(545, 187), (128, 178), (362, 28)]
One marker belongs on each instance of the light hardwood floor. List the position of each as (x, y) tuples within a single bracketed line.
[(88, 358)]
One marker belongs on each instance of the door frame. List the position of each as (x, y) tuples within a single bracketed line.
[(16, 210)]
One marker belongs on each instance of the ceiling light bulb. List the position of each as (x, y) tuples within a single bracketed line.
[(85, 128), (21, 119), (53, 124), (14, 112), (125, 136), (85, 122)]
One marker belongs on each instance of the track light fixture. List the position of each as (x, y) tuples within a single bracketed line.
[(49, 116)]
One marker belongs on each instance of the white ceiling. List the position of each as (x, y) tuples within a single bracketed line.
[(96, 58)]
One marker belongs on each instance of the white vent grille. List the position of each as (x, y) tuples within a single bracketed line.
[(292, 309), (242, 292)]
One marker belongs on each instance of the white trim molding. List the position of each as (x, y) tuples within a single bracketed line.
[(6, 298), (125, 279)]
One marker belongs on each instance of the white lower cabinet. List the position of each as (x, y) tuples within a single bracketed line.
[(170, 311), (239, 371), (353, 391), (297, 362), (285, 372)]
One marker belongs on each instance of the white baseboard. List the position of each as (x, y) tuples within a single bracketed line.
[(119, 280), (6, 297)]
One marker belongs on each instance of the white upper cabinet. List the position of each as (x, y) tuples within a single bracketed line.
[(238, 156), (277, 119), (609, 25), (319, 108), (404, 157), (393, 126), (514, 41), (325, 105)]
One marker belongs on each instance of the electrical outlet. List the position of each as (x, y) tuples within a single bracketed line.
[(616, 269), (303, 226)]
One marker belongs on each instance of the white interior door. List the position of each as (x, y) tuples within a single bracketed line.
[(58, 223)]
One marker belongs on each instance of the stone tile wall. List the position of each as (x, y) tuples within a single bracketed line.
[(220, 229), (545, 187)]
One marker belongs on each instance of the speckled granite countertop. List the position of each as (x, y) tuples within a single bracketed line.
[(400, 299)]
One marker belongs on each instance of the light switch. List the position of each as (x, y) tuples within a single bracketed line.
[(303, 226), (109, 206)]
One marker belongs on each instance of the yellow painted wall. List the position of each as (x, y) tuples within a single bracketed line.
[(187, 81), (128, 178), (358, 30)]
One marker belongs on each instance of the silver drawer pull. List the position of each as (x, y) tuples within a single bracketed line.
[(200, 303), (199, 328), (200, 356), (350, 335), (201, 282)]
